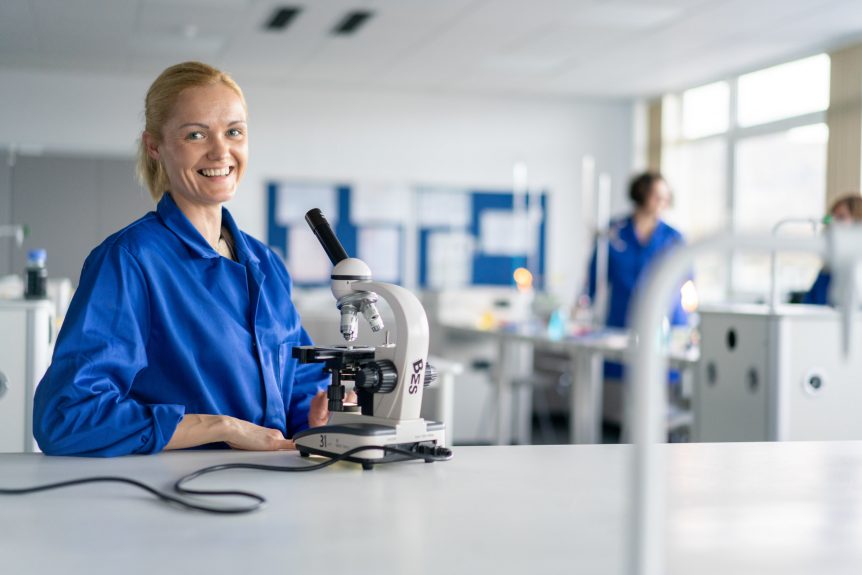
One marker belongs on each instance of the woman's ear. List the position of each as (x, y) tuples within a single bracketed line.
[(151, 144)]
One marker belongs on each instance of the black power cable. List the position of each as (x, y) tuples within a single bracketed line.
[(426, 453)]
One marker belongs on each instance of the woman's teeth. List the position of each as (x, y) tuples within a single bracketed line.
[(213, 172)]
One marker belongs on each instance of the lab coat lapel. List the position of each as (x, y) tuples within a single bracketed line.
[(251, 263)]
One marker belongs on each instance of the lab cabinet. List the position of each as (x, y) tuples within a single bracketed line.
[(26, 337), (778, 374)]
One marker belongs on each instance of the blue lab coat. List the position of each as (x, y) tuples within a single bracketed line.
[(819, 292), (162, 325), (627, 260)]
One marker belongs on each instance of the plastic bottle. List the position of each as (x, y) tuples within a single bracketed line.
[(557, 327), (37, 275)]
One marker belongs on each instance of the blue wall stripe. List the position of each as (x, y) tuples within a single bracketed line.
[(276, 236)]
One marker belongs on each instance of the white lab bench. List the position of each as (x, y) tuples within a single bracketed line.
[(764, 508), (586, 355)]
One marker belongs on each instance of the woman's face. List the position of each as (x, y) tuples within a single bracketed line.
[(841, 214), (658, 199), (204, 145)]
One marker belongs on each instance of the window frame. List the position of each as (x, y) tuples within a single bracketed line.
[(734, 134)]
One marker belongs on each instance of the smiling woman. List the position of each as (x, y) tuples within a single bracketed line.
[(180, 332)]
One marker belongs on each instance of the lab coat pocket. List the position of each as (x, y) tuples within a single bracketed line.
[(286, 365)]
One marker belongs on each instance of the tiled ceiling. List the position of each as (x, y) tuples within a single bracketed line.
[(615, 48)]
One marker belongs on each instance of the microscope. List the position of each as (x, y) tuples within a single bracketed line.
[(388, 379)]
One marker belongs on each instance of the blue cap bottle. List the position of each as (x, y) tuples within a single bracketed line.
[(37, 275)]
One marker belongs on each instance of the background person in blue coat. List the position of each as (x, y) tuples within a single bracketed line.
[(181, 330), (634, 243), (845, 210)]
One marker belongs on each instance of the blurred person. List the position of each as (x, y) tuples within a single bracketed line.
[(634, 243), (845, 210)]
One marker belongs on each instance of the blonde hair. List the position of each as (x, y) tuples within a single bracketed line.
[(853, 203), (159, 104)]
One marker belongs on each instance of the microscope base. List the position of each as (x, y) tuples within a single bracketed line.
[(336, 438)]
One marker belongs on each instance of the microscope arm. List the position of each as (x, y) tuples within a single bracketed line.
[(409, 356)]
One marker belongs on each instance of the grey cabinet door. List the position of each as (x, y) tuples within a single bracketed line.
[(122, 199), (7, 245), (71, 204)]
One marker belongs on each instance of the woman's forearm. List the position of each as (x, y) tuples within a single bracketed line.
[(195, 430)]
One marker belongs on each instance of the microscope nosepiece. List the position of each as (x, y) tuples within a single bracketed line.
[(369, 310)]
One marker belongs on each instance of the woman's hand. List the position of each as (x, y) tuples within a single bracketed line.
[(196, 429), (250, 437), (318, 413)]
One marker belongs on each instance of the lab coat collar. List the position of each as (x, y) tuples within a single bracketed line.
[(243, 251), (178, 223), (628, 234)]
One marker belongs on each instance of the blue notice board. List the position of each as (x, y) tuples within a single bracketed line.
[(473, 232)]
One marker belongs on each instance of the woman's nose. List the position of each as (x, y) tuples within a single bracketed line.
[(218, 148)]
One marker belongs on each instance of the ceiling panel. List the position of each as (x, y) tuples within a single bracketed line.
[(207, 17), (616, 48), (392, 35), (17, 28), (90, 32)]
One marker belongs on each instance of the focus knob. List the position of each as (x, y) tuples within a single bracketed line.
[(430, 374), (377, 377)]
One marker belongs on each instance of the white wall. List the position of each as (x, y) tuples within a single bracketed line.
[(354, 136)]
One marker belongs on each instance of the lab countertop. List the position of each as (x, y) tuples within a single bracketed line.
[(612, 343), (734, 508)]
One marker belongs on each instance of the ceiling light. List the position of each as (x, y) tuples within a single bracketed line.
[(282, 17), (352, 22)]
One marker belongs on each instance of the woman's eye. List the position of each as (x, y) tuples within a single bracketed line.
[(195, 136), (234, 132)]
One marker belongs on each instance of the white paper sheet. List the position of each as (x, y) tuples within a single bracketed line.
[(380, 203), (306, 260), (295, 199), (505, 233), (450, 260), (380, 248), (444, 208)]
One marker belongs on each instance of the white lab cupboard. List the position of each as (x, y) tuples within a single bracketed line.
[(777, 375), (26, 339)]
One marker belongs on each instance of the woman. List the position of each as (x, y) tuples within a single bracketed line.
[(180, 332), (845, 210), (634, 243)]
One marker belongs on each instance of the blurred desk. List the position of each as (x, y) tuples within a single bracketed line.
[(586, 355), (766, 508)]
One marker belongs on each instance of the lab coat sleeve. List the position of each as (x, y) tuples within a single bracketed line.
[(309, 378), (83, 404), (819, 292), (591, 275)]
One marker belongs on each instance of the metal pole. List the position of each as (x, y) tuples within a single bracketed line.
[(648, 366), (603, 216)]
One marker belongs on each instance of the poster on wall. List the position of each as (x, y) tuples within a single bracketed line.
[(380, 203), (296, 198), (306, 260), (380, 248)]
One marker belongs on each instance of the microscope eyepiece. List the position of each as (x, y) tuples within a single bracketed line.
[(327, 238)]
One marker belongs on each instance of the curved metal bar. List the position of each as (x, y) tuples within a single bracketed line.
[(647, 366)]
